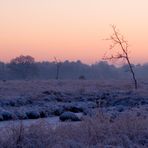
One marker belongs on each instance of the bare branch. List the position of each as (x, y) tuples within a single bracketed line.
[(117, 39)]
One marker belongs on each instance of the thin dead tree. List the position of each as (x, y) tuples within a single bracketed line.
[(58, 66), (118, 40)]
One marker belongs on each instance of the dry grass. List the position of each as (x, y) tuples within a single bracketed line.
[(126, 131), (34, 88)]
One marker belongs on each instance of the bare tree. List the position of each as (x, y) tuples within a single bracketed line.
[(118, 40), (58, 66)]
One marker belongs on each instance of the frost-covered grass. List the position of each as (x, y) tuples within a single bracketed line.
[(40, 99), (97, 131), (20, 88), (113, 114), (17, 88)]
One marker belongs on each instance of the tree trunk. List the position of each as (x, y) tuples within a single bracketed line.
[(133, 74)]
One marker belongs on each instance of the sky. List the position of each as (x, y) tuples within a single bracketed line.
[(71, 29)]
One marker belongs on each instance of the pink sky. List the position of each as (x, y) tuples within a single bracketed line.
[(71, 29)]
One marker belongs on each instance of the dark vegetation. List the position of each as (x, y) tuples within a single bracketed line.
[(25, 68)]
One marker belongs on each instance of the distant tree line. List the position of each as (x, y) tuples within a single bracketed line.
[(26, 68)]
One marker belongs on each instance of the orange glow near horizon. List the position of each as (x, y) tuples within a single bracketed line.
[(71, 29)]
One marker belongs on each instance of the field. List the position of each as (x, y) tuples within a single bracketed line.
[(73, 114)]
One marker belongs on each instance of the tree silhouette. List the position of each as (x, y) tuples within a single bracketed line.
[(23, 60), (118, 40), (23, 66), (58, 66)]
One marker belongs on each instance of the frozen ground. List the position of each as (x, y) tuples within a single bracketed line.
[(33, 102), (40, 99)]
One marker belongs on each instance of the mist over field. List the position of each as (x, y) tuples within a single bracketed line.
[(69, 70)]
